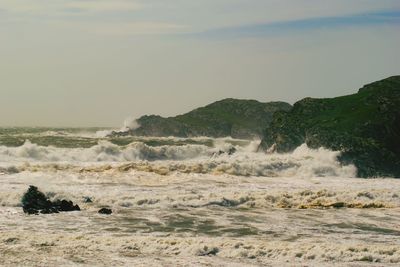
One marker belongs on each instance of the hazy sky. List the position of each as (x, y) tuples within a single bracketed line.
[(96, 62)]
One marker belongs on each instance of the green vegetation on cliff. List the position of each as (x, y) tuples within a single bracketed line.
[(365, 126), (228, 117)]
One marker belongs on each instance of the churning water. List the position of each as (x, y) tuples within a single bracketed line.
[(190, 202)]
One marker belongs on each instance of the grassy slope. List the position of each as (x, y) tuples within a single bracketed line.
[(365, 126), (228, 117)]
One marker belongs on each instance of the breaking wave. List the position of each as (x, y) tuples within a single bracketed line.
[(104, 151), (223, 158)]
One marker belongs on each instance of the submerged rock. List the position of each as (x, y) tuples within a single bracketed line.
[(105, 211), (65, 205), (208, 251), (227, 202), (35, 202), (87, 200), (232, 150)]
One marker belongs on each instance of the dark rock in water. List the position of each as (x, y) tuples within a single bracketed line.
[(219, 153), (35, 202), (227, 202), (11, 240), (65, 205), (232, 150), (87, 200), (105, 211), (338, 205), (208, 252)]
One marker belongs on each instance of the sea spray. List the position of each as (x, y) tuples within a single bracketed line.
[(130, 123), (302, 162), (175, 200)]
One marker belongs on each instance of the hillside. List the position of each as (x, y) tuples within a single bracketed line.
[(365, 126), (228, 117)]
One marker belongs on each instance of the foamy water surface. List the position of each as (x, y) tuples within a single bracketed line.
[(187, 202)]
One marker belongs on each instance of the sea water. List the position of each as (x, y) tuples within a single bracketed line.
[(189, 202)]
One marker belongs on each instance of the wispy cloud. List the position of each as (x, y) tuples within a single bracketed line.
[(284, 27), (132, 28), (207, 18), (48, 7), (101, 17), (103, 5)]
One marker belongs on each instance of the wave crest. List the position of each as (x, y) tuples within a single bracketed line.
[(104, 151), (168, 159)]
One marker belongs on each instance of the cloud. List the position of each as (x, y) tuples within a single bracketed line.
[(278, 28), (58, 7), (213, 14), (133, 28), (104, 17), (103, 5), (211, 17)]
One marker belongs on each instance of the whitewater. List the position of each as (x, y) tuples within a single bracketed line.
[(190, 202)]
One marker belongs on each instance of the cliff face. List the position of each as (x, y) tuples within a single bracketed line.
[(365, 126), (228, 117)]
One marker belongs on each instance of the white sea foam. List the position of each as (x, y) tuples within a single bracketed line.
[(104, 151), (173, 203), (130, 123), (189, 158), (157, 216)]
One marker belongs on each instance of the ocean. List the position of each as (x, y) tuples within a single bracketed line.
[(190, 202)]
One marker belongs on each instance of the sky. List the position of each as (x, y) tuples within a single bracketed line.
[(97, 62)]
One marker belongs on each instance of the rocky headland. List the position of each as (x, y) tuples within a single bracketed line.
[(365, 126)]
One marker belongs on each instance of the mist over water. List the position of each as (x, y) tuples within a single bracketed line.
[(176, 199)]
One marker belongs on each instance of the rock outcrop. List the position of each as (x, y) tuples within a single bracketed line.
[(229, 117), (365, 126), (35, 202), (105, 211)]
